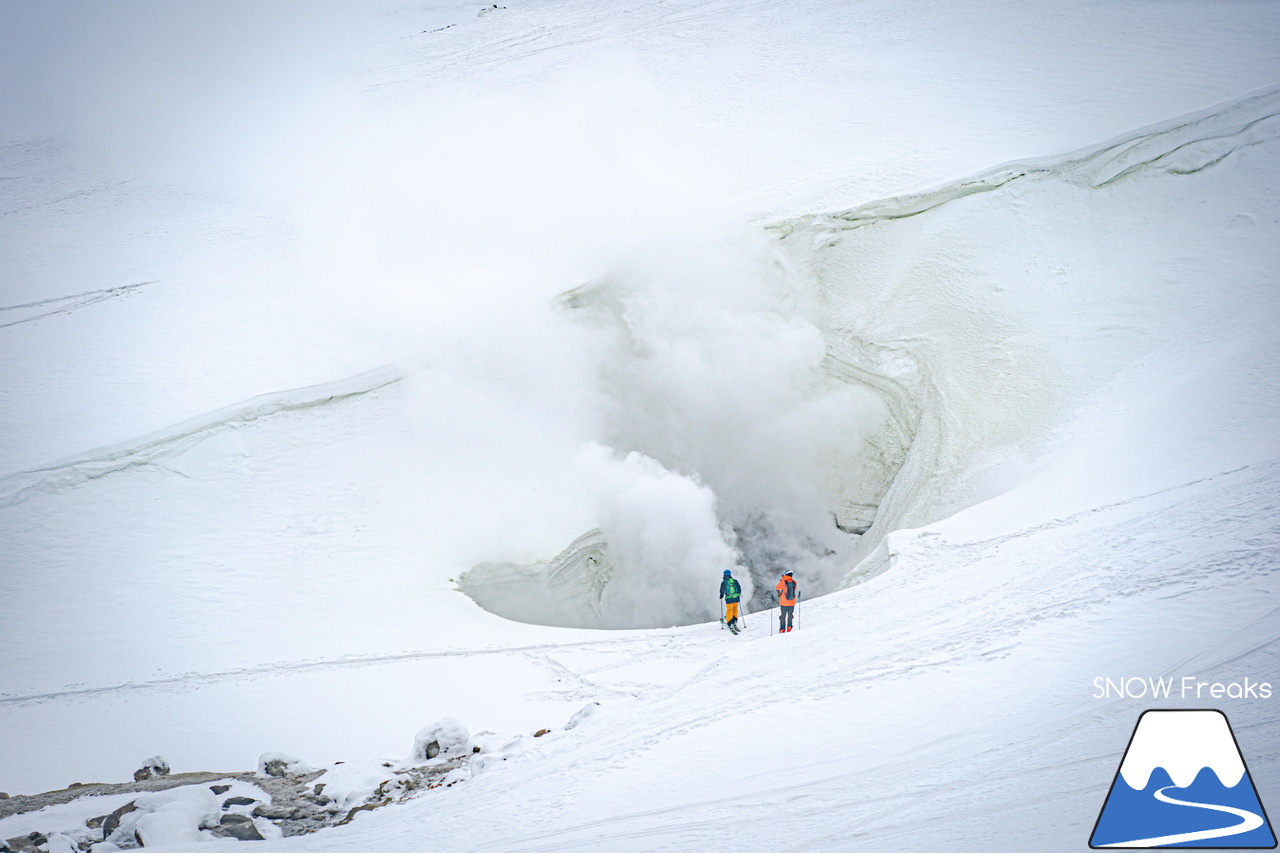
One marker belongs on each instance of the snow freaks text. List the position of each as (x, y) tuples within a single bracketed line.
[(1186, 687)]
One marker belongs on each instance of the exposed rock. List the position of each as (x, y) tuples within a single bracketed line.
[(219, 789), (23, 803), (281, 764), (367, 807), (541, 732), (75, 785), (113, 820), (237, 826), (26, 843), (3, 795), (293, 804), (153, 768), (277, 812)]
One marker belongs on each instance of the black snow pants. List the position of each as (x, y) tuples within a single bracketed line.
[(785, 614)]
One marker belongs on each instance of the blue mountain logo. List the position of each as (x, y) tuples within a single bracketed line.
[(1183, 783)]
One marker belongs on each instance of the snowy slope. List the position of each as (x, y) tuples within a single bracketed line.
[(266, 396), (946, 704)]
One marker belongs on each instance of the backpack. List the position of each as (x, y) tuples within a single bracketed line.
[(732, 589), (791, 590)]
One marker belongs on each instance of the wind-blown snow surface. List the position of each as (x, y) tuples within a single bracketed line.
[(277, 368)]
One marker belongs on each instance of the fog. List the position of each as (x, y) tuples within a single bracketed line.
[(439, 223)]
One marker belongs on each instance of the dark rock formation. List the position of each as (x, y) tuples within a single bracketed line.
[(237, 826)]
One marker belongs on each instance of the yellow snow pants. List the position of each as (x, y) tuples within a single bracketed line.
[(730, 611)]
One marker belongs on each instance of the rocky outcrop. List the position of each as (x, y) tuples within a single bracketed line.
[(239, 827), (26, 843), (283, 798), (153, 768), (281, 764), (112, 821)]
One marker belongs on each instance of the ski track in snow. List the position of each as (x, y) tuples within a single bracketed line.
[(946, 637), (580, 687), (154, 448), (1016, 593), (66, 304), (536, 653)]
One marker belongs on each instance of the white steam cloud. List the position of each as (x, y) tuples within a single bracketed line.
[(721, 440), (665, 541), (711, 371), (406, 212)]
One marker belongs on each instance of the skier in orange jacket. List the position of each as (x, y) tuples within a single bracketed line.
[(788, 592)]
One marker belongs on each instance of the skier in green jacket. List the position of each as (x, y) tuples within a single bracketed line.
[(731, 592)]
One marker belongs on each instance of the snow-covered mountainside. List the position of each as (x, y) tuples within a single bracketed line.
[(366, 368)]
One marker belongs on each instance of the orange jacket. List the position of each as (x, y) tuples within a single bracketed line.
[(782, 590)]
